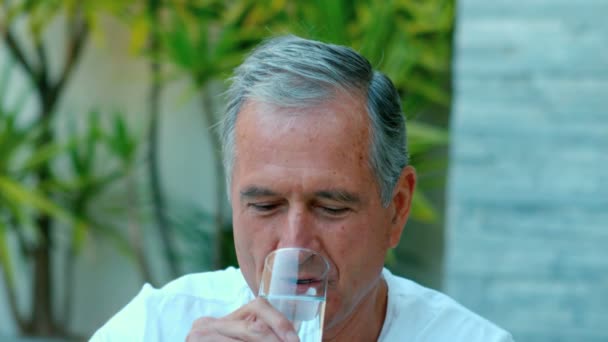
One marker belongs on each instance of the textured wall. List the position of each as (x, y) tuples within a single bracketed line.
[(527, 241)]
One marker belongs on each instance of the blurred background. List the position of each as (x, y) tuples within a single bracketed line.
[(111, 177)]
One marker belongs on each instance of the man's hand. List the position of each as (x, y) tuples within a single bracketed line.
[(255, 321)]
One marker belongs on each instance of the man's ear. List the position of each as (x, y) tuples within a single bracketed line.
[(402, 203)]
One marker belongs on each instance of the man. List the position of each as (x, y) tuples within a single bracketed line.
[(315, 154)]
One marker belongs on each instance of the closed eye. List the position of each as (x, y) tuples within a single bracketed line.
[(263, 207), (334, 211)]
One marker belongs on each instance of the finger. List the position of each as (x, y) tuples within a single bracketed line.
[(260, 309), (195, 336), (241, 330), (202, 331)]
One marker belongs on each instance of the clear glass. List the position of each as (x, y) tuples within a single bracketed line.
[(294, 281)]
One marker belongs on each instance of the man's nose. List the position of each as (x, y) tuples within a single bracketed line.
[(299, 230)]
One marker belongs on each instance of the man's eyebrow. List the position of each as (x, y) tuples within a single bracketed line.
[(256, 191), (339, 195)]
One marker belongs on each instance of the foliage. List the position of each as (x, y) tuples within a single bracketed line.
[(50, 182), (77, 178)]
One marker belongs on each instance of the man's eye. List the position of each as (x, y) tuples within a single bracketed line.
[(335, 211), (263, 207)]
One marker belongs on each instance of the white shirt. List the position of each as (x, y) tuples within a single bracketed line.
[(414, 313)]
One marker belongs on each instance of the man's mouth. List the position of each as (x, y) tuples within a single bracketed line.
[(306, 281)]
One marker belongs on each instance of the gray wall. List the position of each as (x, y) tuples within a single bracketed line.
[(528, 186)]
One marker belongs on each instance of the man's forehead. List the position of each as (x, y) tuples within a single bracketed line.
[(339, 113), (268, 141), (329, 104)]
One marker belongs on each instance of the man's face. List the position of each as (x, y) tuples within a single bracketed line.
[(301, 178)]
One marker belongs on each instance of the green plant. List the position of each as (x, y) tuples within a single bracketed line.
[(97, 158), (204, 40), (21, 198), (32, 194), (47, 91), (71, 193), (74, 181), (49, 184)]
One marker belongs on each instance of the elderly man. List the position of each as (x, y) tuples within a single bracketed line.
[(315, 153)]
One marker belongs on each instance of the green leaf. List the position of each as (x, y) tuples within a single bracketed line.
[(422, 137), (422, 208), (78, 236), (121, 142), (17, 193), (76, 161), (5, 256), (5, 77), (140, 30), (235, 15), (70, 186), (42, 156), (179, 47), (430, 89), (91, 141), (378, 31), (391, 258), (11, 140), (331, 16), (16, 213), (97, 184)]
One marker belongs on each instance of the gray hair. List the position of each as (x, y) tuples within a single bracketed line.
[(290, 71)]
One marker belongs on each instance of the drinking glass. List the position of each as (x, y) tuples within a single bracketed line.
[(294, 281)]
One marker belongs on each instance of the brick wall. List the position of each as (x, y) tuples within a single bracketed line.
[(527, 233)]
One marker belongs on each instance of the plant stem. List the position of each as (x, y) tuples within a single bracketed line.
[(135, 230), (153, 140), (42, 288), (18, 54), (42, 322), (214, 140), (9, 281)]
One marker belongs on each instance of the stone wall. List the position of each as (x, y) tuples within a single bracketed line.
[(527, 235)]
